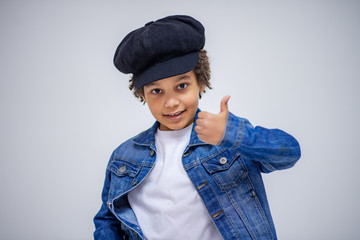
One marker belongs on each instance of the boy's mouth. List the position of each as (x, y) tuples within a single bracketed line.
[(174, 115)]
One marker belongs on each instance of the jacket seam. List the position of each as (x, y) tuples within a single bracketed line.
[(260, 209), (241, 215), (144, 163)]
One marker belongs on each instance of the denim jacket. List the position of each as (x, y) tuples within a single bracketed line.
[(226, 176)]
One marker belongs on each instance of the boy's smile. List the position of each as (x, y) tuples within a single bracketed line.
[(174, 101)]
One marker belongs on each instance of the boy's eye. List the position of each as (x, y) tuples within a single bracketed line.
[(156, 91), (182, 86)]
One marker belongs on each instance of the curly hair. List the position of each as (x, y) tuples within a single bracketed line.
[(202, 73)]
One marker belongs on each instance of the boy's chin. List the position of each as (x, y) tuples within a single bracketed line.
[(166, 127)]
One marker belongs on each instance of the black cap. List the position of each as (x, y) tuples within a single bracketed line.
[(167, 47)]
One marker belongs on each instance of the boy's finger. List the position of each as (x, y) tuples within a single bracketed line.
[(224, 104), (197, 129)]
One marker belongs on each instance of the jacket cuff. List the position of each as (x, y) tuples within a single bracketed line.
[(233, 132)]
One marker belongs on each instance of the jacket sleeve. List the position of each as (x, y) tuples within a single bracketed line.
[(107, 226), (270, 149)]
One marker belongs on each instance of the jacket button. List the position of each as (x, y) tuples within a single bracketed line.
[(152, 152), (223, 160), (253, 193), (122, 169)]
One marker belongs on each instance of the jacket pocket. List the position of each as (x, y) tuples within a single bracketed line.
[(227, 169), (123, 174)]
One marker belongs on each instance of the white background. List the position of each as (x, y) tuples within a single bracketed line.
[(64, 108)]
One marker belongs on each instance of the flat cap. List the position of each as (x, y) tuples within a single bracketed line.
[(164, 48)]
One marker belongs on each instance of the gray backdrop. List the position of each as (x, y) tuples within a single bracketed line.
[(64, 107)]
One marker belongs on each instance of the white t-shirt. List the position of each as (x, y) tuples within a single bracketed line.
[(166, 203)]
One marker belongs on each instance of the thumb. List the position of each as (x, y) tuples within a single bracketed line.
[(224, 104)]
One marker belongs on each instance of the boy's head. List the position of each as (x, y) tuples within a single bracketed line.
[(168, 49), (202, 73)]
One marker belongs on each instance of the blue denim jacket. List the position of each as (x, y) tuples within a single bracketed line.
[(226, 176)]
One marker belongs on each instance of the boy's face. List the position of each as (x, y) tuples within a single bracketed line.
[(174, 101)]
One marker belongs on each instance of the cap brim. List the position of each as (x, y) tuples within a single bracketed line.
[(170, 68)]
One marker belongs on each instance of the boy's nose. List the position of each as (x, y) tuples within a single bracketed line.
[(171, 102)]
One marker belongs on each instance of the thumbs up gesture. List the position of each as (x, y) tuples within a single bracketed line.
[(210, 127)]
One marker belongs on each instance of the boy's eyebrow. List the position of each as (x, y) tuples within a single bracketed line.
[(181, 77), (150, 84)]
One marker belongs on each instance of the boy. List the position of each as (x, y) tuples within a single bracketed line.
[(194, 174)]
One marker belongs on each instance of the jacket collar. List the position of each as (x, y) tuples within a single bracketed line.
[(147, 138)]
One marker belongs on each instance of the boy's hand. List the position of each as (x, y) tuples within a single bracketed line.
[(210, 127)]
